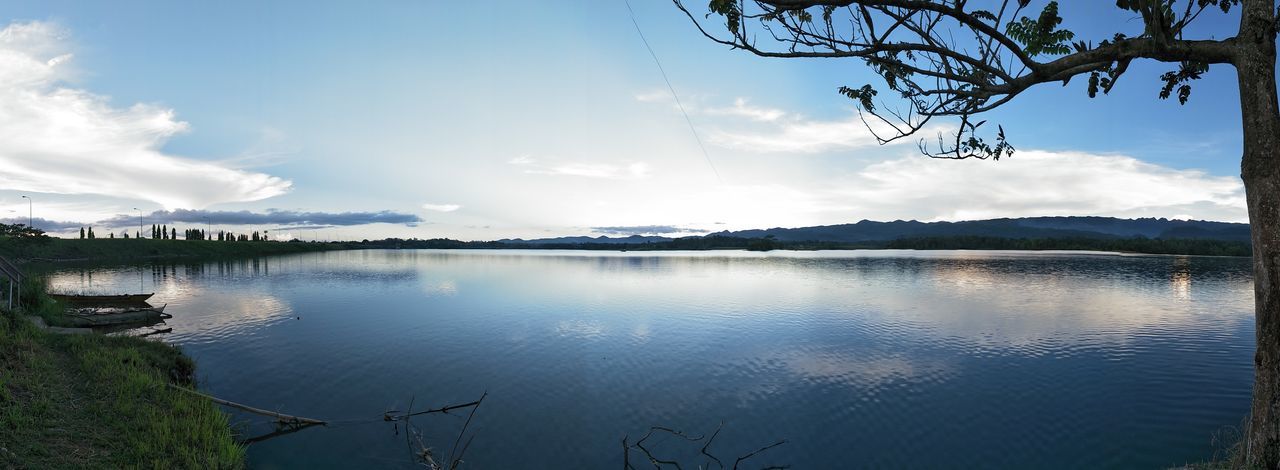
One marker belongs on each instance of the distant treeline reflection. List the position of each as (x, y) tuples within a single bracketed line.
[(1173, 246)]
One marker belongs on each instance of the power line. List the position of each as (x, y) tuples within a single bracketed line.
[(673, 91)]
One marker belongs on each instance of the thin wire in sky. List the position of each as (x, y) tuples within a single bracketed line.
[(673, 91)]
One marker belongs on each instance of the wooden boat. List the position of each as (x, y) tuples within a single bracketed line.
[(114, 315), (126, 299)]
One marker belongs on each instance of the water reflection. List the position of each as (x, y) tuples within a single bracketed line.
[(1180, 281), (992, 359), (224, 298)]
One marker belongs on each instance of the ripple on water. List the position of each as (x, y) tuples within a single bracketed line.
[(898, 360)]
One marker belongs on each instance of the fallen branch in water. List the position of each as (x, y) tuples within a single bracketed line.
[(455, 459), (419, 449), (387, 416), (281, 429), (280, 417)]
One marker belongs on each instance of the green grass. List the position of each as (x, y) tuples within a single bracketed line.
[(119, 249), (93, 401)]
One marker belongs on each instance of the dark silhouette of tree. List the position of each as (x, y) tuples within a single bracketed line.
[(957, 59), (91, 233), (111, 235), (82, 233), (21, 231), (174, 233)]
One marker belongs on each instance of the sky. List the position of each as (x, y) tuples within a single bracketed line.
[(504, 119)]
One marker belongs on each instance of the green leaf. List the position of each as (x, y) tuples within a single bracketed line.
[(983, 15), (862, 95), (1041, 36)]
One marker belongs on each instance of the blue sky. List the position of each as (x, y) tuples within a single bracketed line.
[(527, 119)]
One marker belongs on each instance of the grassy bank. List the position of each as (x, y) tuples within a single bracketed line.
[(124, 250), (92, 401)]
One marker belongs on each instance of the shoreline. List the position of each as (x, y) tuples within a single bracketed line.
[(92, 400)]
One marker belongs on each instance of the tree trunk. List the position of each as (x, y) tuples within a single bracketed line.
[(1260, 169)]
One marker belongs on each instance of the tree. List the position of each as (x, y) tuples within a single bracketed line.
[(91, 233), (950, 59), (21, 231), (82, 233)]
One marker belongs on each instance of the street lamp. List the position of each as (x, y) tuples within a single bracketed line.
[(29, 218)]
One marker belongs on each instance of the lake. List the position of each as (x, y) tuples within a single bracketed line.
[(855, 358)]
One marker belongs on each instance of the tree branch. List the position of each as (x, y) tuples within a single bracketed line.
[(936, 74)]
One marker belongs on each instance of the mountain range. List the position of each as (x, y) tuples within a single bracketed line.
[(1023, 227)]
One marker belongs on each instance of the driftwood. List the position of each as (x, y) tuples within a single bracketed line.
[(425, 454), (281, 430), (388, 416), (280, 417)]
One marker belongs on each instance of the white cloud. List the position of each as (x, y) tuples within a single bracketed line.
[(1034, 183), (654, 96), (633, 170), (801, 135), (55, 139), (696, 104), (522, 160), (441, 207), (773, 130), (1031, 183), (741, 108)]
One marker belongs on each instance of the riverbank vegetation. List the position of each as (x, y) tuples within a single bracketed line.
[(22, 244), (94, 401), (132, 249)]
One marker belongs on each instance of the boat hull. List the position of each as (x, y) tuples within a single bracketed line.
[(114, 316), (128, 299)]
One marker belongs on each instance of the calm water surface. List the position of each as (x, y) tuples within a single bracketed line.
[(857, 358)]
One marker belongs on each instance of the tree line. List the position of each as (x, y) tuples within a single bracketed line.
[(164, 232), (1179, 246)]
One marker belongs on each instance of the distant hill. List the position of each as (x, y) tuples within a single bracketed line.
[(1029, 227), (585, 240), (1026, 227)]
